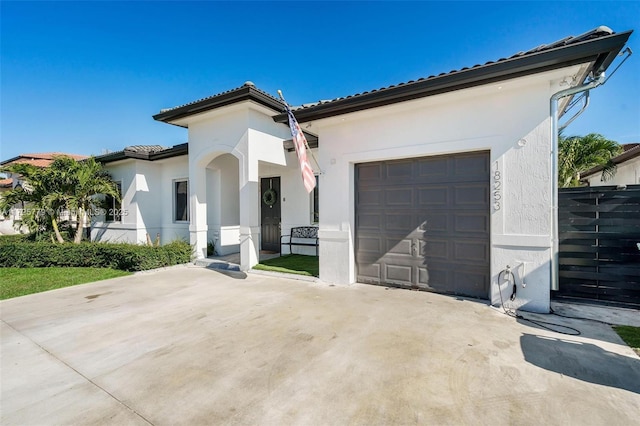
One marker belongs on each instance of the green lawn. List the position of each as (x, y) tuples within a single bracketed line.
[(630, 335), (16, 282), (291, 264)]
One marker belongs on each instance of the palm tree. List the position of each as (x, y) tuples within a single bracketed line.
[(66, 184), (90, 179), (41, 209), (577, 154)]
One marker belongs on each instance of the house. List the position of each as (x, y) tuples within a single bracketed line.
[(442, 183), (40, 159), (627, 169)]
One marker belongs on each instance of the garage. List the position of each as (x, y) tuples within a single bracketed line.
[(423, 223)]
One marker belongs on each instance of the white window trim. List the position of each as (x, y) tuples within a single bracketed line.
[(174, 200), (106, 213), (312, 204)]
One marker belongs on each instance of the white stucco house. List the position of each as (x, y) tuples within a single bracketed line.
[(627, 169), (438, 184)]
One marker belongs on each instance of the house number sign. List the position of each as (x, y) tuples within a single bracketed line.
[(497, 188)]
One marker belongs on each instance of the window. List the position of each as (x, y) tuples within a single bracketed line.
[(113, 207), (181, 200), (315, 204)]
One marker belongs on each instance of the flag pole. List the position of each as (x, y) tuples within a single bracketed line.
[(305, 139)]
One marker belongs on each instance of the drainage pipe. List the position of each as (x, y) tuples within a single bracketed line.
[(600, 79)]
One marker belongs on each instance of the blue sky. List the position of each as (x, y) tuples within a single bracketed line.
[(82, 77)]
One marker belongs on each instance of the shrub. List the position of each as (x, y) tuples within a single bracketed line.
[(13, 238), (127, 257)]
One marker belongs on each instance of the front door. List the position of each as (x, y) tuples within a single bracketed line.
[(270, 213)]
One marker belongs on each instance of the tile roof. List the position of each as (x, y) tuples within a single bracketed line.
[(541, 58), (40, 159), (6, 183), (248, 91), (145, 148), (52, 155), (246, 84), (598, 32), (145, 152)]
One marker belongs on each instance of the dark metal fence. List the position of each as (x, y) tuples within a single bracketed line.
[(599, 230)]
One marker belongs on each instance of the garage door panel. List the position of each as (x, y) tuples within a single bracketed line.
[(370, 198), (369, 272), (398, 274), (437, 222), (399, 197), (436, 249), (432, 219), (399, 169), (423, 277), (370, 171), (369, 221), (431, 196), (471, 194), (471, 251), (471, 283), (433, 167), (370, 244), (399, 222), (471, 165), (398, 247), (471, 223), (438, 279)]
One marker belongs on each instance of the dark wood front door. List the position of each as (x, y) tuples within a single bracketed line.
[(270, 213)]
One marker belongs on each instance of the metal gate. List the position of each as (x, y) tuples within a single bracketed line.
[(599, 232)]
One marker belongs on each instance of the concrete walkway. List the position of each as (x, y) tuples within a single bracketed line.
[(193, 346)]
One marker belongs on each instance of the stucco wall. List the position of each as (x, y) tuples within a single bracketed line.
[(247, 132), (511, 119), (147, 202), (223, 204), (172, 169), (126, 230)]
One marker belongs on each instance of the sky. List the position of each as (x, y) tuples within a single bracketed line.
[(86, 77)]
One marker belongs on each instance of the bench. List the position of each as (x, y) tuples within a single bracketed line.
[(308, 235)]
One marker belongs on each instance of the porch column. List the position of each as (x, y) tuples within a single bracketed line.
[(198, 210), (249, 214)]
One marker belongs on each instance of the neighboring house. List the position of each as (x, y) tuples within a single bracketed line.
[(438, 183), (41, 159), (627, 169)]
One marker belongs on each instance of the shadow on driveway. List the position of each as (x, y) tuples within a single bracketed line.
[(583, 361)]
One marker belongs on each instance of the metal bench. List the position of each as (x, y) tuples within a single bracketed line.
[(308, 235)]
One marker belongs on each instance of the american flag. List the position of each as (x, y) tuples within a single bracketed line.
[(300, 143)]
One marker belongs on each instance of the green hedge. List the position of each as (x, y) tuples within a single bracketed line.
[(126, 257), (14, 238)]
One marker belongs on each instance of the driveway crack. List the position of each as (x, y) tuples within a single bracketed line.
[(82, 375)]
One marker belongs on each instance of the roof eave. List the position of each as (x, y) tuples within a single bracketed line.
[(175, 151), (601, 52), (245, 93), (625, 156)]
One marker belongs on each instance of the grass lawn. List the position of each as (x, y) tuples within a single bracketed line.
[(291, 264), (630, 335), (16, 282)]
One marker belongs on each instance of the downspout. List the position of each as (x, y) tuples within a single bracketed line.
[(555, 243)]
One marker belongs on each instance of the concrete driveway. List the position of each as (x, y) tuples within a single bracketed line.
[(190, 345)]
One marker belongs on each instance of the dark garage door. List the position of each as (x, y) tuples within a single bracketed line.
[(424, 223)]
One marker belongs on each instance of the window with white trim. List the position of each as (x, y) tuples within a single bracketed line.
[(315, 204), (113, 206), (181, 200)]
